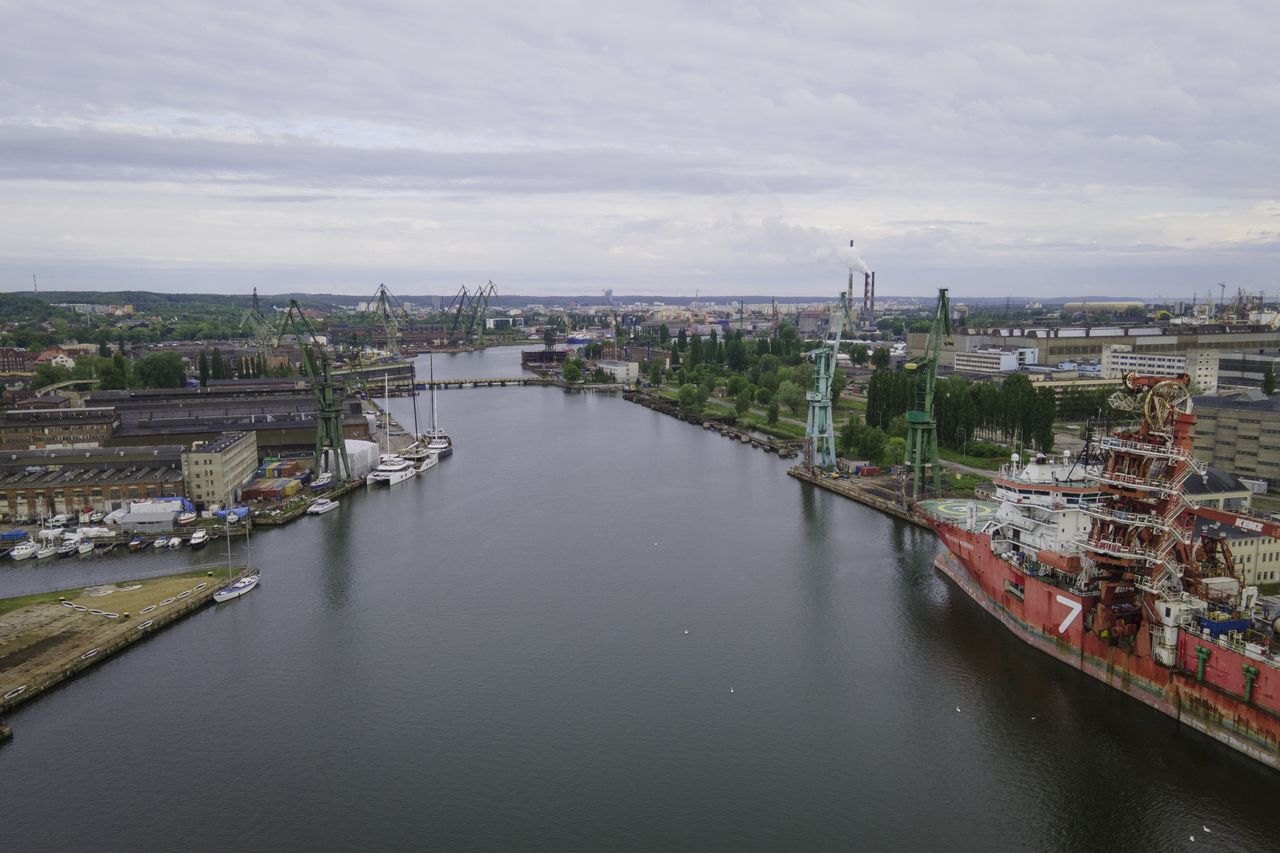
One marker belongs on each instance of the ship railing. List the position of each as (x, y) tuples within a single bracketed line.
[(1149, 520), (1170, 486), (1160, 451), (1121, 550)]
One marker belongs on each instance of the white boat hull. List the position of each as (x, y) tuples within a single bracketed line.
[(389, 478), (237, 589)]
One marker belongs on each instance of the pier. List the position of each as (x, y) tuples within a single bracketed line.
[(50, 637), (871, 493)]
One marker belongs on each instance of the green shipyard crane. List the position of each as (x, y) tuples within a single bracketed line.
[(315, 362), (819, 429), (922, 426), (386, 311)]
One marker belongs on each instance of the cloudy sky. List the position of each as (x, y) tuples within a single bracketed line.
[(661, 147)]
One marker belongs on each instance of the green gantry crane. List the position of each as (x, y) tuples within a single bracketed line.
[(819, 429), (922, 427), (315, 362)]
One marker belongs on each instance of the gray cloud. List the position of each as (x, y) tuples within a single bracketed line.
[(671, 145)]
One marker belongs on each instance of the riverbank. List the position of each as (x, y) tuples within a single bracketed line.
[(49, 637)]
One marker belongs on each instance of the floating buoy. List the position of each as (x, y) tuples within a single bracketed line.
[(686, 630), (730, 689), (957, 709)]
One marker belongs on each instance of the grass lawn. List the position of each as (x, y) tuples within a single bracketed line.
[(10, 604), (983, 462)]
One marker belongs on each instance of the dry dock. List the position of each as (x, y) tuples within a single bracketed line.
[(50, 637)]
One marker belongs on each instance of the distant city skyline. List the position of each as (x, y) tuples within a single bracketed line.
[(668, 149)]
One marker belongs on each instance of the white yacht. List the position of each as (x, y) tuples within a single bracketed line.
[(391, 469), (321, 506), (23, 550), (199, 539)]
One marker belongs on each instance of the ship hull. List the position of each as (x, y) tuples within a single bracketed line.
[(1209, 699)]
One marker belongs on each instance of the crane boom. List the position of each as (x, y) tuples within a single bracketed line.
[(922, 426), (315, 362), (820, 425)]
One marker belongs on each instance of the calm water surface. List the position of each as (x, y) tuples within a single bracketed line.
[(493, 657)]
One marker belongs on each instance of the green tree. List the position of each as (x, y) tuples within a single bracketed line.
[(1269, 380), (682, 341), (572, 371), (655, 372), (838, 383), (691, 398), (217, 368), (880, 358), (116, 374), (771, 414), (742, 401), (161, 370), (791, 395), (549, 337), (695, 352), (895, 452), (49, 374), (202, 364)]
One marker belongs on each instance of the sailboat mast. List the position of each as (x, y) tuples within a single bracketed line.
[(431, 362)]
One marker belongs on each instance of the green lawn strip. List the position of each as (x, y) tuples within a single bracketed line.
[(10, 604), (983, 462)]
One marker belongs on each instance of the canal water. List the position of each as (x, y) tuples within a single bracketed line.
[(599, 628)]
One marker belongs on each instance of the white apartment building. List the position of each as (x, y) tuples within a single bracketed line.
[(995, 359), (1200, 365)]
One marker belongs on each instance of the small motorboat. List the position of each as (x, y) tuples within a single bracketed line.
[(85, 546), (96, 517), (321, 506), (137, 543), (185, 518), (68, 547), (175, 542), (162, 542), (46, 551), (199, 539), (323, 481), (23, 550)]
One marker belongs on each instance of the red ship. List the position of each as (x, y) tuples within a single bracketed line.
[(1101, 563)]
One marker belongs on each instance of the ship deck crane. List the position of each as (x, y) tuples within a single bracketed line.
[(820, 427), (316, 365), (922, 426)]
